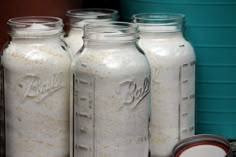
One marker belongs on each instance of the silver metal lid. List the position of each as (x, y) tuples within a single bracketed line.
[(200, 140)]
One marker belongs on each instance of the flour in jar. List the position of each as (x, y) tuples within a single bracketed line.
[(111, 94), (172, 62), (36, 80), (173, 94)]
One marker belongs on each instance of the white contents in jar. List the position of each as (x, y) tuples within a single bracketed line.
[(74, 40), (111, 94), (36, 79), (172, 63)]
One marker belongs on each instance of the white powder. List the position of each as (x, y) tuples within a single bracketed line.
[(36, 95), (111, 94), (74, 40), (172, 63), (37, 26)]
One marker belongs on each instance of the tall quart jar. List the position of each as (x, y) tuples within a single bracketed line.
[(36, 81), (172, 62), (111, 93), (79, 17)]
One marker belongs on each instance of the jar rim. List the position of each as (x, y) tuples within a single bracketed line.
[(159, 22), (111, 31), (27, 21), (35, 26), (158, 17), (122, 25), (91, 13)]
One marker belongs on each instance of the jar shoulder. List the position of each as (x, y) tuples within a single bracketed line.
[(114, 62), (167, 49), (35, 54)]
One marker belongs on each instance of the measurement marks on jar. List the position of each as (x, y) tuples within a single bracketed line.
[(188, 97), (84, 115), (187, 100)]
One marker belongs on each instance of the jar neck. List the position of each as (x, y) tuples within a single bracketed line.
[(109, 44), (160, 35), (35, 28), (38, 39), (79, 17), (32, 34), (160, 24), (109, 39), (110, 34), (80, 23)]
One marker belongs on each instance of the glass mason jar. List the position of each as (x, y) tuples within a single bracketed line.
[(172, 62), (36, 81), (111, 93), (78, 18)]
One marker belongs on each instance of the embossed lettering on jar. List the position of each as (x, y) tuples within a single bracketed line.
[(111, 93), (172, 62), (36, 81)]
